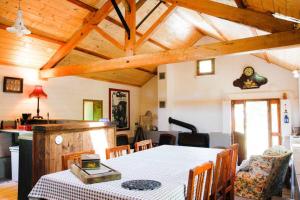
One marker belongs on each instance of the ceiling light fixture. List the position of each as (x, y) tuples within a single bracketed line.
[(19, 28)]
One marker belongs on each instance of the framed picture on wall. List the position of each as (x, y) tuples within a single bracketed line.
[(11, 84), (119, 108)]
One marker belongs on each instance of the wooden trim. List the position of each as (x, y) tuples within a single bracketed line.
[(91, 21), (252, 18), (155, 25), (181, 55), (109, 38)]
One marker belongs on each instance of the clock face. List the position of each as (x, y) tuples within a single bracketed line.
[(248, 71)]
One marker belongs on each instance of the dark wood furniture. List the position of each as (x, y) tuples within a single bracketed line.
[(167, 139), (122, 139), (117, 151), (221, 176), (72, 158), (198, 177), (142, 145)]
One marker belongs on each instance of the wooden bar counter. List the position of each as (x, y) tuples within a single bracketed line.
[(50, 141)]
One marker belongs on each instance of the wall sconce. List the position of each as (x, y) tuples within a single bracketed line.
[(286, 117)]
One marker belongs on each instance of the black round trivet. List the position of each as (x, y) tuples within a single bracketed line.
[(141, 185)]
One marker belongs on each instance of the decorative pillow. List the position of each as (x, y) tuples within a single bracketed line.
[(276, 151), (245, 166), (261, 163)]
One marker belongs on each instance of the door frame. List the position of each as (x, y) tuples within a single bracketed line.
[(270, 101)]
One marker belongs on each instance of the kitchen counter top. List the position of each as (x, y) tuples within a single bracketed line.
[(14, 131)]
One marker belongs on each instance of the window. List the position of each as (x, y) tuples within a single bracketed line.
[(205, 67), (92, 110)]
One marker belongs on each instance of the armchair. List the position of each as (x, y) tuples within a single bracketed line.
[(264, 175)]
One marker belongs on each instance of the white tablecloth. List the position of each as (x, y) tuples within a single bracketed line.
[(167, 164)]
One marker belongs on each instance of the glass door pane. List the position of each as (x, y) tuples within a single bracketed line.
[(257, 128), (239, 125)]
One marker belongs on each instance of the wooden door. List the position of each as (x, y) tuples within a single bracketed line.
[(240, 121), (239, 127)]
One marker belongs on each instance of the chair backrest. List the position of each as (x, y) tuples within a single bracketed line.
[(73, 158), (142, 145), (221, 175), (234, 158), (117, 151), (198, 177), (122, 139), (167, 139)]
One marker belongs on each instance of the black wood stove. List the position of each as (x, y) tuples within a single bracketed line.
[(192, 138)]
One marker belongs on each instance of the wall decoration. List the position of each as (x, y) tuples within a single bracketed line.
[(14, 85), (286, 117), (250, 79), (119, 108)]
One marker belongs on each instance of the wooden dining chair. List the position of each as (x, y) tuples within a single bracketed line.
[(234, 157), (142, 145), (73, 158), (221, 175), (117, 151), (198, 177)]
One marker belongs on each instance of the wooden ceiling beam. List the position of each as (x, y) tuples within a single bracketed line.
[(155, 25), (109, 38), (251, 18), (90, 23), (263, 54), (181, 55), (112, 20), (130, 17)]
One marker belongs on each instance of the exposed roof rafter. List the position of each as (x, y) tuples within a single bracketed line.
[(91, 21), (243, 16), (155, 25), (259, 43)]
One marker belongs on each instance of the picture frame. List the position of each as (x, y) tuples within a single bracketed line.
[(12, 84), (119, 108)]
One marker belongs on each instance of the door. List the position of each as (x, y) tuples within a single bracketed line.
[(255, 125)]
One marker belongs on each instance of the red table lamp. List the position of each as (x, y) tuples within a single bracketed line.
[(38, 93)]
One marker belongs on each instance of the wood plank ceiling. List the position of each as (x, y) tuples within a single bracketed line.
[(161, 26)]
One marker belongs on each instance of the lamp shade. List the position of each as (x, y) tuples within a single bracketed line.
[(38, 92)]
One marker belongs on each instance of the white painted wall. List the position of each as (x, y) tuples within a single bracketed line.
[(65, 96), (204, 101)]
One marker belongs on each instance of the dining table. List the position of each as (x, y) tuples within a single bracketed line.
[(167, 164)]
